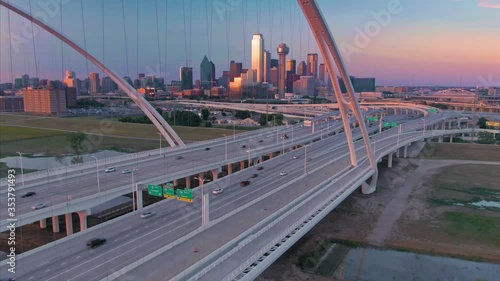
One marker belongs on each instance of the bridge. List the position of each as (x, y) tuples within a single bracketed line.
[(236, 234)]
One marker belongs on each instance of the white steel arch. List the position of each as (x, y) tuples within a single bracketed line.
[(331, 54), (168, 133)]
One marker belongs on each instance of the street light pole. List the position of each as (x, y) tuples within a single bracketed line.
[(160, 142), (225, 147), (305, 160), (97, 172), (423, 131), (204, 211), (399, 133), (22, 170), (133, 190)]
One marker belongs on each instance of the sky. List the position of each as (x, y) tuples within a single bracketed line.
[(399, 42)]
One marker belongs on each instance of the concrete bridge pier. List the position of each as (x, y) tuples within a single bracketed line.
[(405, 151), (69, 224), (82, 215), (188, 182), (242, 165), (397, 152), (215, 173), (175, 182), (271, 155), (369, 188), (55, 224), (440, 139), (43, 223), (451, 138), (389, 161), (229, 168)]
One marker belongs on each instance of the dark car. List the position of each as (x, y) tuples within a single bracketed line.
[(261, 141), (179, 157), (260, 168), (95, 242), (207, 148), (254, 176), (244, 183), (28, 194), (243, 146)]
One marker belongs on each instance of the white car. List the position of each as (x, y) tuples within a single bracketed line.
[(39, 206), (126, 171), (147, 215), (217, 191), (110, 169), (296, 157), (282, 173)]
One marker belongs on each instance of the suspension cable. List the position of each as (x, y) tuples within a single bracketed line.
[(84, 37), (228, 37), (137, 36), (33, 41), (209, 29), (126, 42), (62, 43), (166, 37), (271, 4), (185, 31), (10, 45), (190, 28), (158, 37), (258, 16), (244, 16), (103, 41), (282, 19)]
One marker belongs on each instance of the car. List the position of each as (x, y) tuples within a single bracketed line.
[(207, 148), (179, 157), (126, 171), (244, 183), (147, 215), (39, 206), (254, 176), (260, 168), (261, 140), (92, 243), (296, 157), (243, 146), (217, 191), (283, 173), (28, 194), (110, 169)]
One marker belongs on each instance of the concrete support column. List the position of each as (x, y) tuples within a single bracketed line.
[(69, 224), (55, 224), (175, 182), (271, 155), (215, 174), (443, 125), (370, 188), (242, 165), (389, 162), (397, 152), (188, 182), (449, 125), (451, 138), (43, 223), (83, 219), (201, 176), (139, 199), (229, 168), (261, 159), (440, 139), (405, 152)]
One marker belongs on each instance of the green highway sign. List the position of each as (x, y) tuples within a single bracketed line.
[(185, 195), (394, 124), (373, 119), (155, 190), (169, 184), (386, 124), (169, 192), (432, 110)]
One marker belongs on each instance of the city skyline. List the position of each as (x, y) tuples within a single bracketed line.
[(417, 46)]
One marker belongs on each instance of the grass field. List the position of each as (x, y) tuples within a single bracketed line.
[(35, 134), (461, 151), (472, 226)]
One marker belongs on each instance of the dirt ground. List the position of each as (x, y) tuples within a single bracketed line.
[(398, 215)]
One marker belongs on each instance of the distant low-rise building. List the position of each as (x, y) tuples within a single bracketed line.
[(45, 101), (11, 104)]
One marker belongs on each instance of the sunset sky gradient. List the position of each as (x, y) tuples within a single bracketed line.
[(428, 42)]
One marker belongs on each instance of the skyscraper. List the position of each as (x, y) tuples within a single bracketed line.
[(94, 85), (235, 69), (267, 66), (302, 68), (291, 66), (322, 72), (274, 63), (186, 77), (206, 74), (258, 56), (282, 52), (312, 65)]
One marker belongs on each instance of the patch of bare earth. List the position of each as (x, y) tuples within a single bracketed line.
[(393, 216)]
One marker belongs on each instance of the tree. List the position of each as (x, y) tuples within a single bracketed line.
[(242, 114), (75, 141), (263, 119), (205, 113), (482, 122), (185, 118)]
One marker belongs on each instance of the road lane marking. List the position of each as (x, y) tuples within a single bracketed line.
[(31, 277)]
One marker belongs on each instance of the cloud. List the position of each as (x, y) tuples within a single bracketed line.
[(489, 4)]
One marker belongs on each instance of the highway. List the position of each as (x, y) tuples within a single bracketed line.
[(130, 237), (57, 190)]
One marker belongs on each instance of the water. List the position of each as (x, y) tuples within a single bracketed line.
[(384, 265), (42, 163), (485, 204)]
